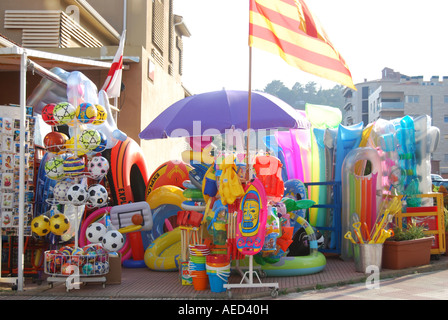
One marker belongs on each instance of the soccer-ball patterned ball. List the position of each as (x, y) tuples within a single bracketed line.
[(113, 241), (41, 225), (86, 112), (95, 232), (97, 195), (99, 267), (74, 166), (98, 167), (47, 114), (90, 139), (77, 194), (101, 115), (60, 190), (64, 113), (59, 224), (54, 168)]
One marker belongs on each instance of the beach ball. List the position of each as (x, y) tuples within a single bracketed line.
[(98, 167), (55, 141), (102, 146), (90, 139), (101, 115), (68, 269), (47, 114), (40, 225), (64, 112), (86, 112), (59, 224), (54, 168), (66, 250), (87, 268), (73, 166)]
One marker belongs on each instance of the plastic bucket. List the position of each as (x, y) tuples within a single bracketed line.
[(217, 281), (200, 280), (217, 258), (366, 255)]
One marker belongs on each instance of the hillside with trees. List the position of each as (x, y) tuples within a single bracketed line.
[(300, 94)]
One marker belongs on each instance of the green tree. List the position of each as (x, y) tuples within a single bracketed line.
[(300, 94)]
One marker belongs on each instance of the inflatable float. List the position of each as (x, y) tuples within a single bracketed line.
[(172, 173), (127, 163), (165, 202), (296, 266), (163, 253), (251, 219), (321, 117), (355, 155)]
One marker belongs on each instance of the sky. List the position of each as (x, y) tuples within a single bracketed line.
[(408, 36)]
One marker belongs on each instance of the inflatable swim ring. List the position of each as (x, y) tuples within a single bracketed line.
[(127, 164), (173, 173), (164, 253)]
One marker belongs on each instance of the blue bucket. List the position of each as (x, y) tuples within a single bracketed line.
[(217, 281)]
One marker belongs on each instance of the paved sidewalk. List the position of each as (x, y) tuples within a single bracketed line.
[(418, 286), (142, 283)]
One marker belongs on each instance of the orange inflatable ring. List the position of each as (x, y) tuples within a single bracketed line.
[(127, 163)]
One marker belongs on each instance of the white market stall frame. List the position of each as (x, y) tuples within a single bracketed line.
[(18, 58)]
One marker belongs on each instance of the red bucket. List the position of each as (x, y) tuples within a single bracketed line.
[(217, 258)]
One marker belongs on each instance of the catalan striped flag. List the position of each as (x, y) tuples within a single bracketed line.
[(289, 29)]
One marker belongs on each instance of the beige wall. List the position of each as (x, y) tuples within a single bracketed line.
[(142, 100)]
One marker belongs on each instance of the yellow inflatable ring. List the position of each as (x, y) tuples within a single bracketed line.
[(163, 253)]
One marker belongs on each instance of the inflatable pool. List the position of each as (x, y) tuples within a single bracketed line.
[(164, 252), (293, 266)]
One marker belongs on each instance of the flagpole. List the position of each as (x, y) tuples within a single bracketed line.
[(249, 108)]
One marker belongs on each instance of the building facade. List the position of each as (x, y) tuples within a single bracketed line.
[(396, 95), (152, 73)]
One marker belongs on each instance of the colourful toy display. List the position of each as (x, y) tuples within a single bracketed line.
[(202, 214)]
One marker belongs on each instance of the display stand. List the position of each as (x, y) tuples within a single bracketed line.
[(55, 267), (247, 280), (432, 217), (11, 161)]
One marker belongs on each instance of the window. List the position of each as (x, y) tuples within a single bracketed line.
[(445, 118), (445, 157), (445, 99), (412, 99)]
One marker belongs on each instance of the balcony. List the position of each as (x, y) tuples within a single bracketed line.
[(391, 106)]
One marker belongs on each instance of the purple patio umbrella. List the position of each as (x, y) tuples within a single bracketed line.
[(213, 113)]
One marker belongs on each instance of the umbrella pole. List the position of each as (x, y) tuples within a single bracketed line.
[(249, 106)]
